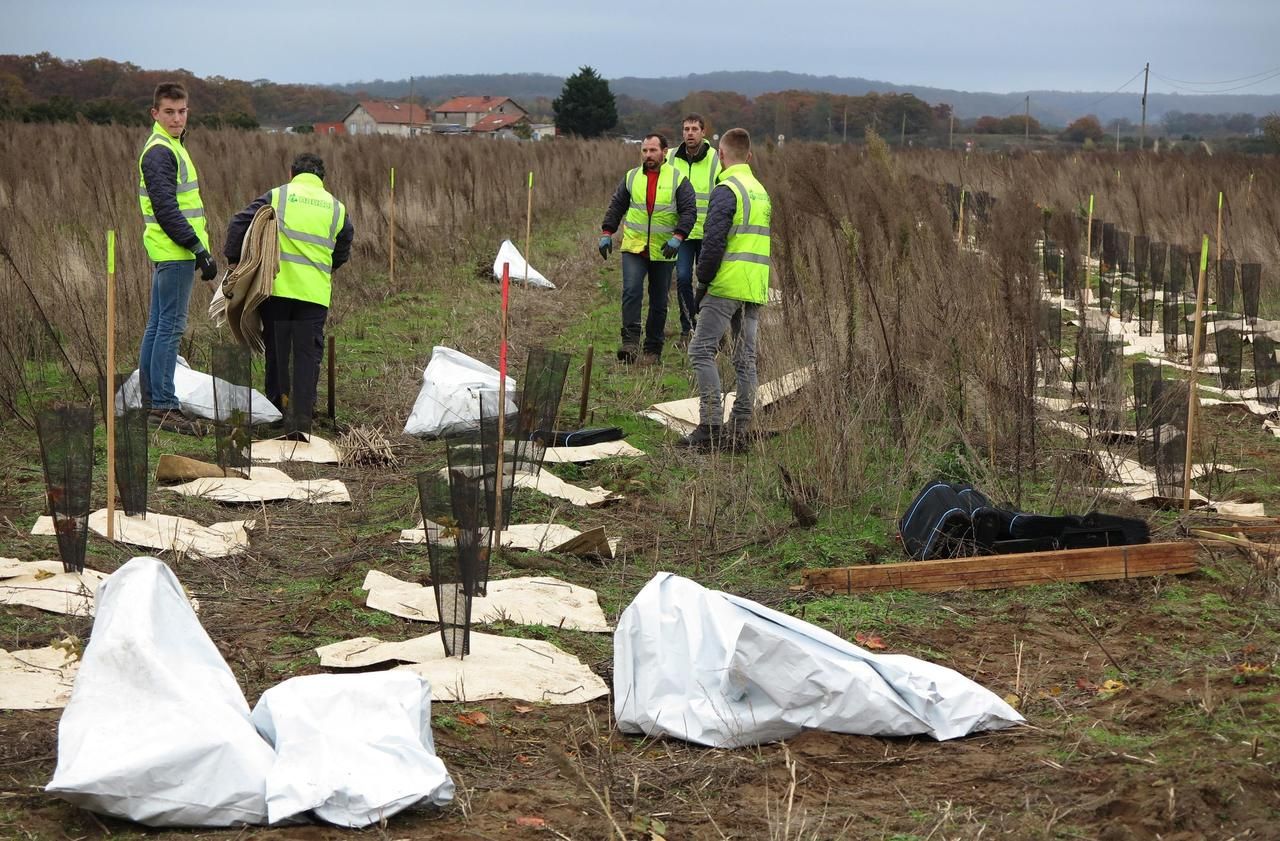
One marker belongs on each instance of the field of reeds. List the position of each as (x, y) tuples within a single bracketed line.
[(926, 347)]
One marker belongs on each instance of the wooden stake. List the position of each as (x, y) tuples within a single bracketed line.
[(1088, 250), (960, 223), (1193, 398), (110, 396), (333, 376), (391, 236), (1218, 262), (495, 533), (528, 229), (586, 385)]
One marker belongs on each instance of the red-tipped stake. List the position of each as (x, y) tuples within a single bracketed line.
[(495, 534)]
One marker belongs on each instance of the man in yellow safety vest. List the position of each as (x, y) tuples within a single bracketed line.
[(656, 208), (174, 234), (733, 283), (315, 237), (700, 163)]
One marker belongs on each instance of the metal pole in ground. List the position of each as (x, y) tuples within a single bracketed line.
[(333, 376), (586, 385), (495, 533)]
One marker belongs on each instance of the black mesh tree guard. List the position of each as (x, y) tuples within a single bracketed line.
[(132, 438), (453, 545), (1171, 317), (1126, 286), (1250, 288), (1142, 280), (1107, 268), (1100, 367), (232, 369), (1051, 266), (1168, 424), (1228, 346), (1226, 270), (1095, 234), (474, 485), (66, 452), (1266, 369), (1070, 274), (539, 402), (1145, 383), (1049, 343)]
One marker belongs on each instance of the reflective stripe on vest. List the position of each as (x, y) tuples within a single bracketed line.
[(702, 177), (160, 247), (308, 219), (743, 274), (643, 232)]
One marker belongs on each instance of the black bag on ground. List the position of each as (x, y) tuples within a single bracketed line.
[(587, 437), (939, 521), (1001, 531)]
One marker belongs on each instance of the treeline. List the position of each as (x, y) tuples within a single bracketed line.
[(799, 115), (44, 88)]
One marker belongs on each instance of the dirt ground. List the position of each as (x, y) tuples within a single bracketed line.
[(1187, 749)]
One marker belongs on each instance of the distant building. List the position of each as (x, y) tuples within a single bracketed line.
[(329, 128), (503, 126), (378, 117), (543, 131), (469, 110)]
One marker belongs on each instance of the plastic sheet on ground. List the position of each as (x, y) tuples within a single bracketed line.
[(45, 586), (682, 415), (265, 484), (352, 749), (167, 533), (591, 452), (524, 601), (497, 667), (313, 449), (453, 386), (1241, 509), (36, 679), (723, 671), (195, 392), (535, 537), (157, 730), (516, 267)]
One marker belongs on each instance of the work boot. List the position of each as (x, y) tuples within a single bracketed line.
[(686, 336), (737, 434), (173, 420), (628, 353), (649, 360), (705, 437)]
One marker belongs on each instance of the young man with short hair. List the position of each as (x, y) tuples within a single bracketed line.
[(700, 163), (656, 208), (733, 283), (177, 243)]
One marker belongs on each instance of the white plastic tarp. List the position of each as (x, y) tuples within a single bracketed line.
[(195, 392), (723, 671), (453, 386), (157, 730), (517, 268), (353, 749)]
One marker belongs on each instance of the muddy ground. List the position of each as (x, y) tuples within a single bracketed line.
[(1187, 749)]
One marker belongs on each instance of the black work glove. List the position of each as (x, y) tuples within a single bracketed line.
[(671, 247), (208, 268), (606, 246), (697, 299)]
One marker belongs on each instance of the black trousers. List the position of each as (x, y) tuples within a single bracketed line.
[(293, 331)]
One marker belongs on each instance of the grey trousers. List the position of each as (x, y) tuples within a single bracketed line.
[(715, 317)]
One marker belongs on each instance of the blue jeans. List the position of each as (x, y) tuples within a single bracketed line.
[(170, 293), (635, 267), (689, 251)]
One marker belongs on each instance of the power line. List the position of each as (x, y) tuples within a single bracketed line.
[(1141, 70), (1273, 74), (1224, 82)]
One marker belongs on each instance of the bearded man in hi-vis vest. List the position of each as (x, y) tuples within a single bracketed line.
[(733, 283), (177, 243), (656, 207), (315, 237)]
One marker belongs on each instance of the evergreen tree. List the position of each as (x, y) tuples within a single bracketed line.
[(585, 107)]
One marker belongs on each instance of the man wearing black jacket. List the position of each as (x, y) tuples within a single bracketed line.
[(177, 244)]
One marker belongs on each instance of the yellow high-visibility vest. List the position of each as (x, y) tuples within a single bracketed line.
[(308, 220), (702, 177), (644, 232), (744, 272), (160, 247)]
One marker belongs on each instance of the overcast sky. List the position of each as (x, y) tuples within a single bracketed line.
[(988, 45)]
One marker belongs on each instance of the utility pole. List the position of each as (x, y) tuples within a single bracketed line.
[(951, 132), (1117, 135), (845, 122), (411, 106), (903, 141), (1026, 134), (1142, 137)]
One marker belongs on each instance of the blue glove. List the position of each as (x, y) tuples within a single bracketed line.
[(672, 246), (606, 245)]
